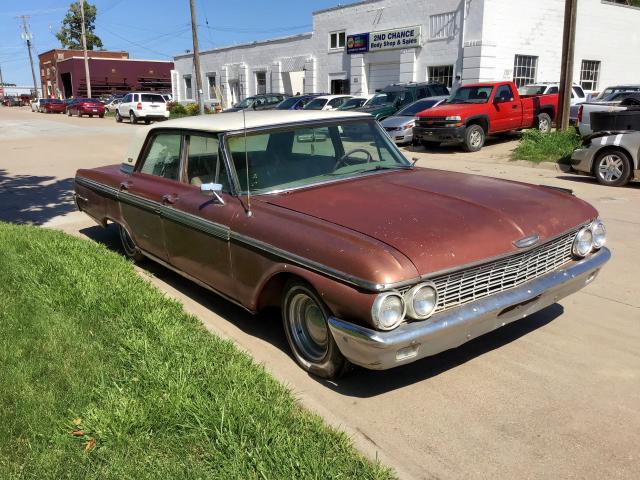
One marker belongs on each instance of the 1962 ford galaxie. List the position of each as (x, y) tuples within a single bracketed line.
[(372, 260)]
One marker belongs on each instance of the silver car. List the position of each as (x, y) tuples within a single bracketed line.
[(400, 125), (612, 157)]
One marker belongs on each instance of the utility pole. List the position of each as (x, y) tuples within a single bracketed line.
[(566, 69), (196, 56), (27, 38), (84, 47), (1, 84)]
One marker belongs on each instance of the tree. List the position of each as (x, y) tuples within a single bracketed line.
[(70, 35)]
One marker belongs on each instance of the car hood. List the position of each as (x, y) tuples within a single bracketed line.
[(394, 121), (447, 109), (441, 220), (376, 108)]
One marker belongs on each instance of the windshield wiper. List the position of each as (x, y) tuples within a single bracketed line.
[(385, 167)]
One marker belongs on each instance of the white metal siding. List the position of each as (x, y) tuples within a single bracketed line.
[(379, 75)]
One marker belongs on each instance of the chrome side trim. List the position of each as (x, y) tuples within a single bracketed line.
[(412, 341), (205, 226), (106, 190)]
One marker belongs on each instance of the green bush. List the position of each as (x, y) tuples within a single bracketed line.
[(192, 109), (178, 109), (556, 146)]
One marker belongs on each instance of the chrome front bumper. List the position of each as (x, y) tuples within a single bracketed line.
[(415, 340)]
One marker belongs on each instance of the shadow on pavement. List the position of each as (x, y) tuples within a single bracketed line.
[(360, 382), (452, 148), (34, 199), (586, 180)]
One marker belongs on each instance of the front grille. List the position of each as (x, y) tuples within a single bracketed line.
[(429, 122), (464, 286)]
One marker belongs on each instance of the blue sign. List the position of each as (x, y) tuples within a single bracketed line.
[(358, 43)]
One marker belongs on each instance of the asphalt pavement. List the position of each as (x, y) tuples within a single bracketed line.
[(556, 395)]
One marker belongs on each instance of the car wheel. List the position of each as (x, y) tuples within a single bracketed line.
[(129, 246), (474, 138), (612, 168), (118, 117), (101, 116), (428, 144), (90, 116), (544, 122), (132, 118), (305, 319), (69, 113), (147, 122)]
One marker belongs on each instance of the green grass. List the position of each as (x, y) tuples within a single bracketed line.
[(556, 146), (88, 346), (109, 114)]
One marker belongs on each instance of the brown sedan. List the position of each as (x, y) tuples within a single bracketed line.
[(372, 260)]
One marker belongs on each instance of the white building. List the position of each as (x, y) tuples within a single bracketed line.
[(362, 47)]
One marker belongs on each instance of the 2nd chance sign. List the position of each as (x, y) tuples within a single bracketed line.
[(397, 38)]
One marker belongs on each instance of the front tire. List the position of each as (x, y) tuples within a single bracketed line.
[(69, 113), (612, 168), (544, 122), (118, 117), (129, 246), (305, 319), (474, 138)]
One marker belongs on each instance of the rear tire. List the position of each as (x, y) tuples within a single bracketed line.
[(118, 117), (612, 168), (132, 118), (474, 138), (69, 113), (544, 122), (101, 116), (129, 246), (304, 317), (147, 122)]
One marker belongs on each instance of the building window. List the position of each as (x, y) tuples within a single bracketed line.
[(628, 3), (336, 40), (524, 70), (589, 74), (442, 26), (441, 74), (188, 89), (339, 87), (211, 85), (261, 83)]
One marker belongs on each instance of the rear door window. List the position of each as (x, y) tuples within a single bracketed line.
[(163, 156), (146, 97)]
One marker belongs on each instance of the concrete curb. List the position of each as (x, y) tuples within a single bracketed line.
[(559, 167)]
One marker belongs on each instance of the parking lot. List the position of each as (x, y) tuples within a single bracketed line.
[(553, 395)]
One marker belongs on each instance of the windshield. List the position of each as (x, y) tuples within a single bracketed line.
[(416, 107), (532, 89), (611, 90), (246, 103), (352, 103), (302, 156), (288, 103), (383, 98), (316, 104), (471, 95)]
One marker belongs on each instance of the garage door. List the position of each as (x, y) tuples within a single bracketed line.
[(379, 75)]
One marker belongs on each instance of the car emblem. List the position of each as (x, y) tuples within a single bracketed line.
[(525, 242)]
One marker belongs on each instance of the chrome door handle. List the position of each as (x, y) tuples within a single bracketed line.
[(125, 185), (169, 199)]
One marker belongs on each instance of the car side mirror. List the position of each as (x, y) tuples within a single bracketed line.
[(212, 190)]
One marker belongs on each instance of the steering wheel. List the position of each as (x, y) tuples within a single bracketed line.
[(343, 158)]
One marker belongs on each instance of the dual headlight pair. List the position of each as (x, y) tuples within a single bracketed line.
[(390, 308), (592, 237)]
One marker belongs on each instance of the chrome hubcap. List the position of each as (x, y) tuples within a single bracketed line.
[(610, 168), (475, 138), (127, 243), (308, 327), (544, 125)]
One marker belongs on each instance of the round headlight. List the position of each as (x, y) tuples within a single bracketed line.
[(599, 234), (388, 310), (583, 243), (421, 300)]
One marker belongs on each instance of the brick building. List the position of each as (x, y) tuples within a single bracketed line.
[(62, 73)]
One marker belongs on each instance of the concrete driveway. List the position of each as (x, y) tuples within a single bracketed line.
[(556, 395)]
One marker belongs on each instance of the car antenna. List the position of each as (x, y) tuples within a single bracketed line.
[(246, 163)]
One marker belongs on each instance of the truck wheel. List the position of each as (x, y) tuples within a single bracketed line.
[(132, 118), (544, 122), (612, 168), (474, 137), (129, 246), (304, 316), (118, 117)]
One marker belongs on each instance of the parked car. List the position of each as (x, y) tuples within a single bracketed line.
[(167, 97), (258, 102), (578, 95), (295, 103), (400, 126), (480, 109), (394, 97), (610, 97), (53, 106), (112, 104), (36, 105), (356, 102), (142, 106), (612, 157), (373, 261), (614, 102), (12, 101), (327, 102), (85, 106)]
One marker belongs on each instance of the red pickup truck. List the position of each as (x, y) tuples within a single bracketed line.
[(480, 109)]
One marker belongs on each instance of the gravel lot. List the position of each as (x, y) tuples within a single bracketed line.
[(555, 395)]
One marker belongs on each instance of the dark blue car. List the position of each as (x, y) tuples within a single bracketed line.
[(295, 103)]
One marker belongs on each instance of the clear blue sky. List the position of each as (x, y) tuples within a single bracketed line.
[(153, 29)]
